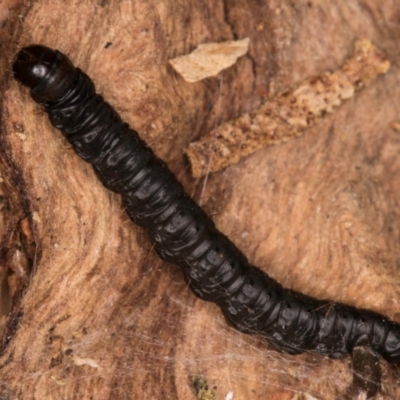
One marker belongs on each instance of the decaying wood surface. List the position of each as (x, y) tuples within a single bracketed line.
[(94, 313), (287, 115)]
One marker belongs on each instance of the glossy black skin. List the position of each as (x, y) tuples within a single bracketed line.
[(182, 233)]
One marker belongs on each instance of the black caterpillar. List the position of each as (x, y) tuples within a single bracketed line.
[(182, 233)]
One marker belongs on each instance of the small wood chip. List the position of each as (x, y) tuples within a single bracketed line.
[(203, 392), (287, 115), (209, 59)]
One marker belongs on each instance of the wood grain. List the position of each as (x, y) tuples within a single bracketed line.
[(98, 315)]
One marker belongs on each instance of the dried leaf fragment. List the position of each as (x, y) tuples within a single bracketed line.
[(286, 115), (209, 59)]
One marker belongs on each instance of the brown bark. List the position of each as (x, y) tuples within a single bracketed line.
[(94, 312)]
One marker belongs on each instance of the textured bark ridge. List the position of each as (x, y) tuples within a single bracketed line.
[(287, 115), (93, 312)]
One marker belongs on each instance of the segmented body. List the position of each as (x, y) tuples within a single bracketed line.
[(182, 233)]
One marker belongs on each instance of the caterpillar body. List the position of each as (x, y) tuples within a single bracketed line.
[(182, 233)]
